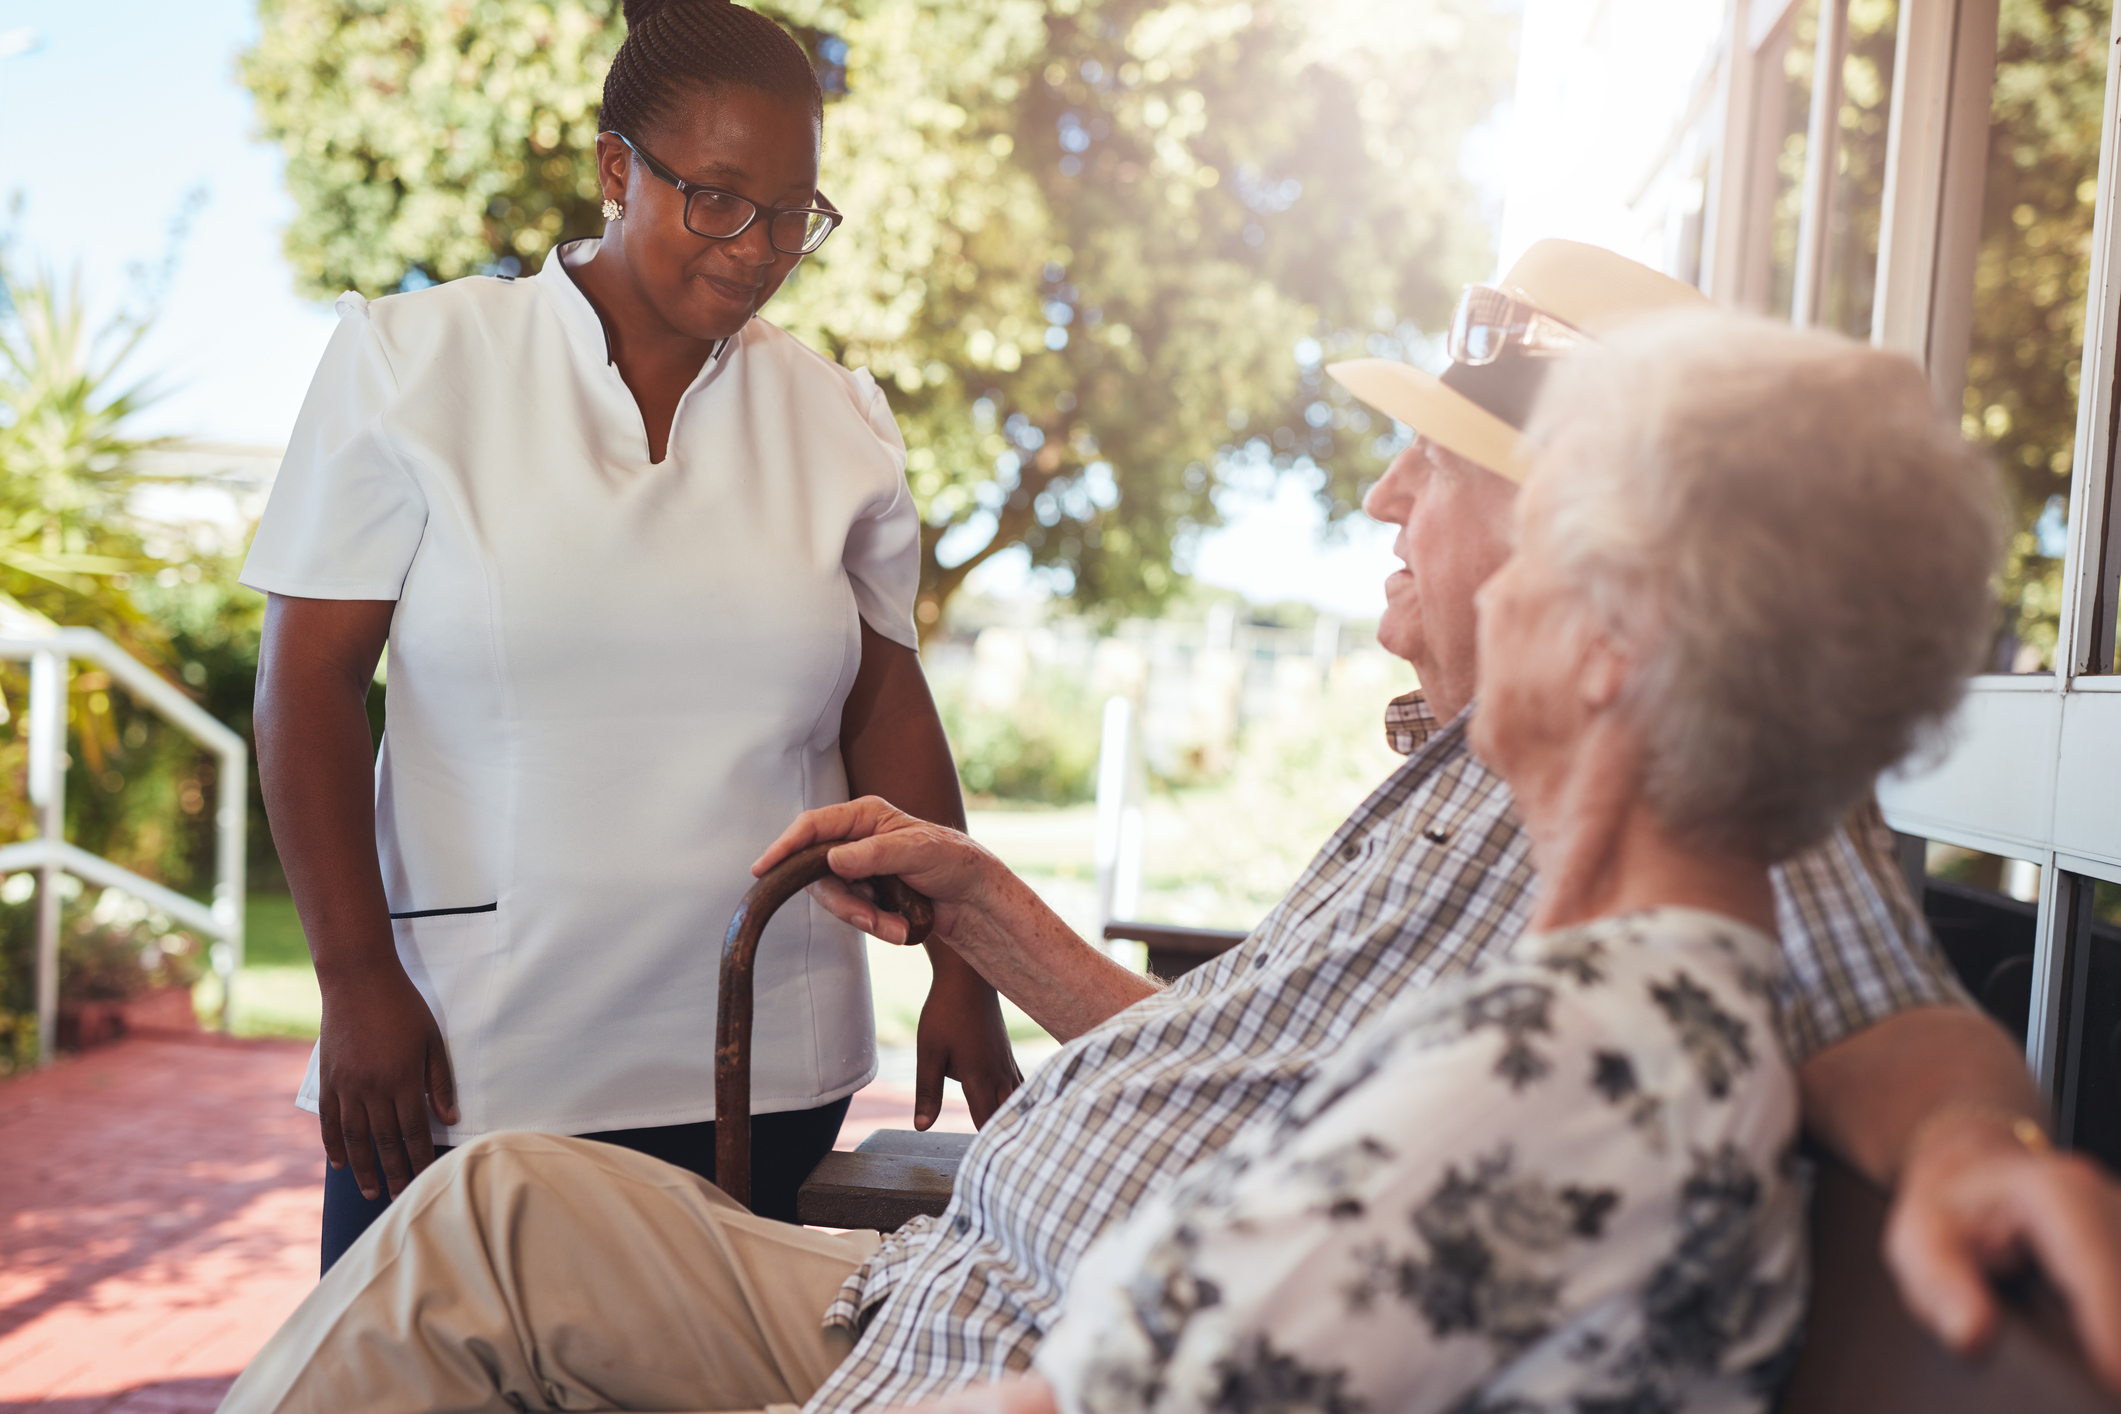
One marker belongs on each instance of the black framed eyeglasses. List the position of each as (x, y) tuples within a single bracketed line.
[(723, 215)]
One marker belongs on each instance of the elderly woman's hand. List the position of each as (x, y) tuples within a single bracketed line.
[(1974, 1199), (941, 863)]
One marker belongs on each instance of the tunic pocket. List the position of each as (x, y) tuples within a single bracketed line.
[(448, 954)]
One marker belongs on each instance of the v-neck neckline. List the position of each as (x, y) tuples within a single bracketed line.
[(586, 329)]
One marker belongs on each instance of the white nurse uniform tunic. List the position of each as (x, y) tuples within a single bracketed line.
[(611, 683)]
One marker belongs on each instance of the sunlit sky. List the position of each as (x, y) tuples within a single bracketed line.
[(1563, 170), (124, 108)]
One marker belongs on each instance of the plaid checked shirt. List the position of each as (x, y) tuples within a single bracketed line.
[(1429, 876)]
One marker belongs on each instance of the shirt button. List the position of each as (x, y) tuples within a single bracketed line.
[(1435, 835), (1351, 851), (961, 1224)]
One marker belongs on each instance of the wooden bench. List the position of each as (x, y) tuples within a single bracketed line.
[(1863, 1352)]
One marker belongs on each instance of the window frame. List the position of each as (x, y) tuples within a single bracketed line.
[(2030, 771)]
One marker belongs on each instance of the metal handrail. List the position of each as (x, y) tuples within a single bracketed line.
[(50, 657)]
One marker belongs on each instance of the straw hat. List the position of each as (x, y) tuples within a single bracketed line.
[(1478, 412)]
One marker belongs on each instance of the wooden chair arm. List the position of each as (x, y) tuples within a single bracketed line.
[(1175, 951), (732, 1022)]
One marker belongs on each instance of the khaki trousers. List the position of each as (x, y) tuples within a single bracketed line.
[(528, 1271)]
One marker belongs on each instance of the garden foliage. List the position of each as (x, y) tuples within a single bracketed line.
[(74, 552)]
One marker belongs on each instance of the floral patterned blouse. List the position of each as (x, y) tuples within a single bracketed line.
[(1566, 1182)]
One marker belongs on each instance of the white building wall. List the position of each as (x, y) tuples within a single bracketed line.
[(1609, 98)]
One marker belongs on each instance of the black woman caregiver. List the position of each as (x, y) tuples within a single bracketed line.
[(645, 568)]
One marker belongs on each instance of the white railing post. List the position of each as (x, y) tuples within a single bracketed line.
[(48, 674), (1119, 816), (231, 817), (1325, 645), (49, 653)]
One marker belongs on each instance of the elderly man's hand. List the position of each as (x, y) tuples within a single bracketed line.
[(988, 916), (1019, 1394), (1973, 1199), (940, 862)]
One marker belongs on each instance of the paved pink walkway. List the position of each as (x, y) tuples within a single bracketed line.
[(158, 1219)]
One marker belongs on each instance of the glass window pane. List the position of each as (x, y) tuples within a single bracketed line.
[(1859, 167), (1787, 109), (1984, 909), (2096, 1114), (2029, 296), (2106, 611)]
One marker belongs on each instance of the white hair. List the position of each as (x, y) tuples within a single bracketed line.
[(1793, 545)]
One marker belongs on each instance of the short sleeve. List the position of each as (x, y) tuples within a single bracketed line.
[(1858, 948), (883, 554), (345, 516)]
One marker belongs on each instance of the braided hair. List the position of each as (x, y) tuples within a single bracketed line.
[(675, 45)]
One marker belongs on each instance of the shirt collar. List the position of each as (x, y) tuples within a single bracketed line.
[(584, 327), (1410, 722)]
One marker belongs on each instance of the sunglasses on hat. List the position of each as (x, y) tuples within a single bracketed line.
[(1491, 319)]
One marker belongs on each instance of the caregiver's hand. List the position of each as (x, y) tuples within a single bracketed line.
[(962, 1037), (942, 863), (380, 1055), (381, 1062)]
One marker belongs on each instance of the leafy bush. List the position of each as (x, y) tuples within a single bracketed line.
[(111, 946), (1236, 846), (1043, 750), (121, 948)]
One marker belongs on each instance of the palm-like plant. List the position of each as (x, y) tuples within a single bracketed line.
[(69, 541), (71, 548)]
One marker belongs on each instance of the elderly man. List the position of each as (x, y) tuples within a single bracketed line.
[(537, 1272)]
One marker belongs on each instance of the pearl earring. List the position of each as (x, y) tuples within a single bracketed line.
[(613, 210)]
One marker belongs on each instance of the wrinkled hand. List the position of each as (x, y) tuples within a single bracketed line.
[(1018, 1394), (381, 1062), (937, 861), (962, 1036), (1972, 1200)]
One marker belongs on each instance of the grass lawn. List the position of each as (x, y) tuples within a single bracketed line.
[(276, 990)]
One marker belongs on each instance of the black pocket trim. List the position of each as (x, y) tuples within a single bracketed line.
[(439, 912)]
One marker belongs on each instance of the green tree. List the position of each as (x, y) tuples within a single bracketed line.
[(1097, 249)]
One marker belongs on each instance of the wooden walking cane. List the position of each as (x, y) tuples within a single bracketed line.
[(732, 1026)]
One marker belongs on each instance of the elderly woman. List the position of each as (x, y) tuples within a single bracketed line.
[(1750, 573)]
